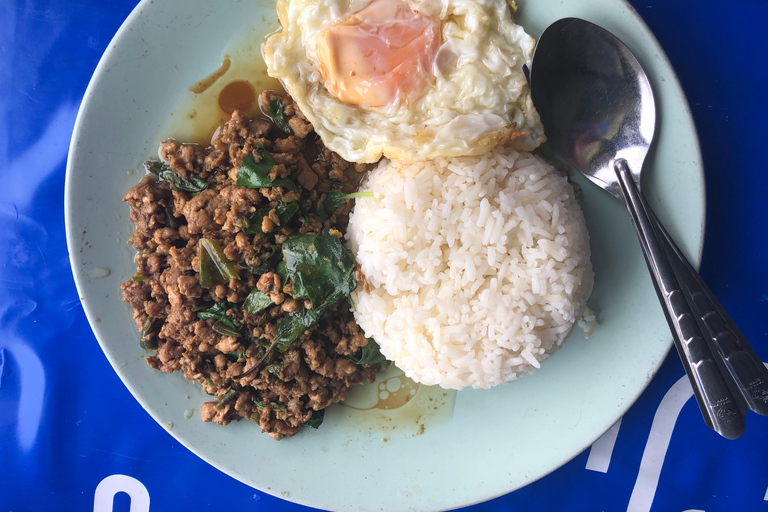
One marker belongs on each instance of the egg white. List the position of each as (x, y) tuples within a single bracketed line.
[(478, 96)]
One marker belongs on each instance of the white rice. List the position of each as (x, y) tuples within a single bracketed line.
[(478, 266)]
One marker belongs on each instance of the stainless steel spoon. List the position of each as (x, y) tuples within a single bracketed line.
[(599, 115)]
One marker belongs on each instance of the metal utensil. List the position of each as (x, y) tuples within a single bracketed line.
[(598, 112)]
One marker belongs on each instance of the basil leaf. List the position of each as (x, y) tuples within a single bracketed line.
[(236, 356), (194, 184), (218, 312), (295, 323), (170, 219), (334, 200), (277, 113), (147, 340), (155, 167), (370, 354), (272, 405), (215, 268), (209, 272), (165, 173), (285, 212), (225, 328), (320, 268), (202, 307), (255, 174), (256, 301), (282, 271), (316, 420)]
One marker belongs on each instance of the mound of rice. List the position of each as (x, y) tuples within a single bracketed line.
[(478, 267)]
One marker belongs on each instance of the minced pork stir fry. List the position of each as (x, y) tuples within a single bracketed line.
[(242, 281)]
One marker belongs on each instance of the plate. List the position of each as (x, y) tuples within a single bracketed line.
[(489, 441)]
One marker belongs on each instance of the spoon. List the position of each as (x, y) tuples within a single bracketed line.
[(599, 115)]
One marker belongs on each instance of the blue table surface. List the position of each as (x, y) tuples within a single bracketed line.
[(67, 423)]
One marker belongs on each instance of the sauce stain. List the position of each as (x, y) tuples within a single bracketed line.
[(393, 402), (204, 84), (237, 95), (236, 85), (391, 393)]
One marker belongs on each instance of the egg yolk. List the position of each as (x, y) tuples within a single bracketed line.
[(379, 55)]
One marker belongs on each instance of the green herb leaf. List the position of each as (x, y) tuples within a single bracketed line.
[(320, 268), (138, 278), (256, 301), (147, 340), (165, 173), (215, 268), (209, 272), (282, 271), (236, 356), (334, 200), (285, 212), (218, 312), (224, 327), (295, 323), (370, 354), (202, 307), (170, 219), (226, 398), (316, 420), (255, 174), (155, 167), (272, 405), (277, 113)]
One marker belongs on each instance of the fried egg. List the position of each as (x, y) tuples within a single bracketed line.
[(410, 80)]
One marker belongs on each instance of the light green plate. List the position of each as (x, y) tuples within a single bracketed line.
[(485, 444)]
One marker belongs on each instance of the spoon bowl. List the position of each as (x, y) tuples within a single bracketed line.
[(594, 99), (599, 115)]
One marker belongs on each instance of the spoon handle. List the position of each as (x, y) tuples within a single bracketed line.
[(737, 357), (721, 412)]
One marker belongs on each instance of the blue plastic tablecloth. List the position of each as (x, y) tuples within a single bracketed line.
[(71, 435)]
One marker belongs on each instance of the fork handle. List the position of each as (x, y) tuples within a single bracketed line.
[(737, 356), (721, 411)]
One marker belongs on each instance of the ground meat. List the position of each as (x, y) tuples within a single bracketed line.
[(300, 127), (288, 388)]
